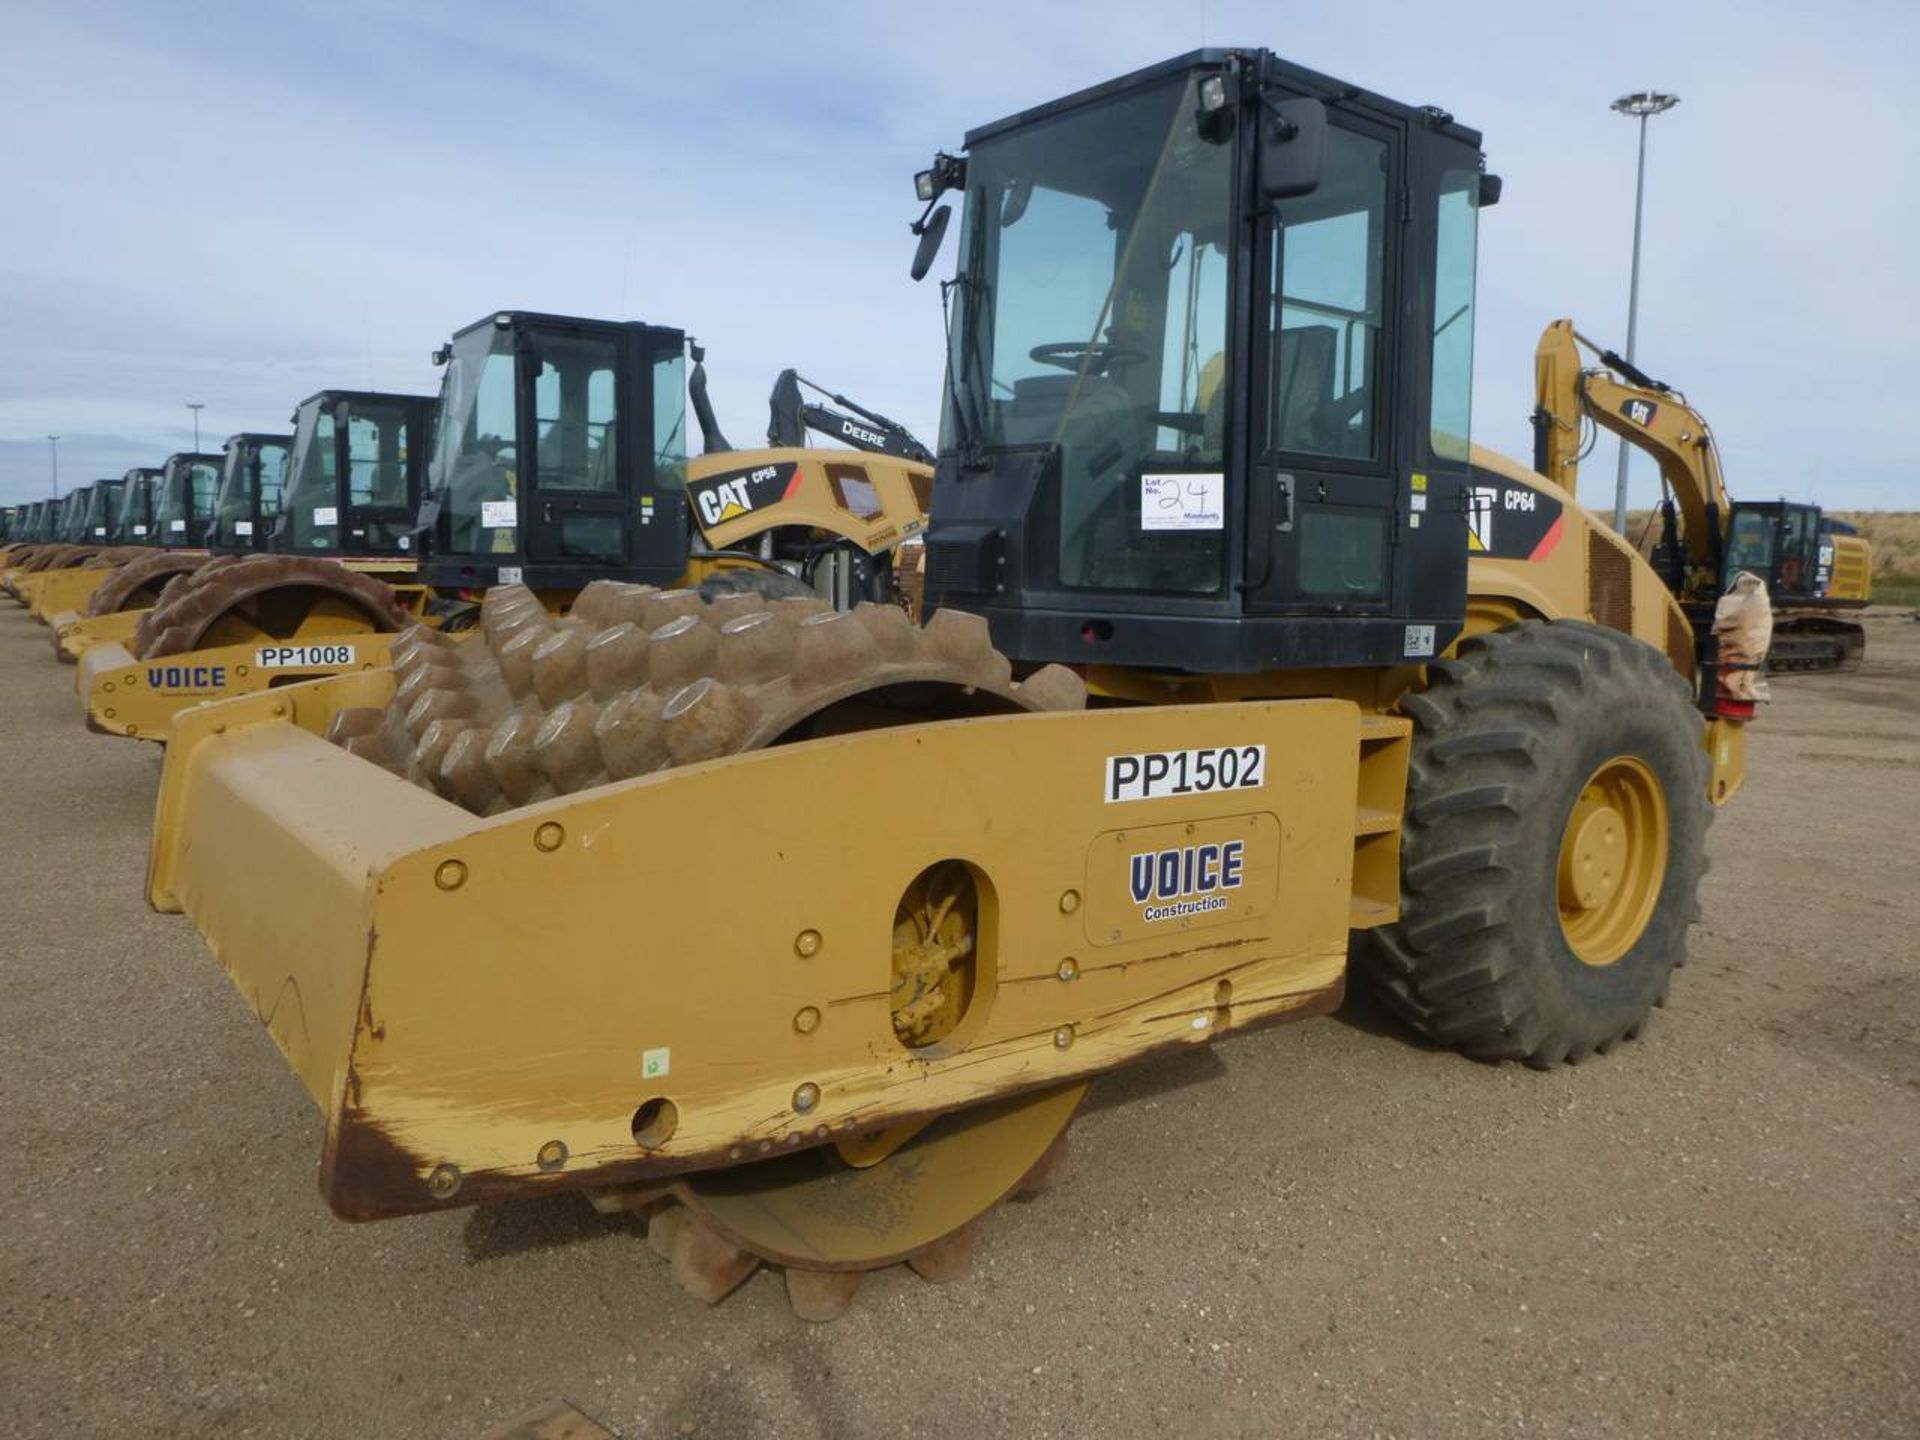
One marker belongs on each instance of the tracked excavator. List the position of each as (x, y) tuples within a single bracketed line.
[(1812, 571), (1231, 690)]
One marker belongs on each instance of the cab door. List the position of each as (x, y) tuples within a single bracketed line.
[(1321, 495), (576, 508), (381, 443)]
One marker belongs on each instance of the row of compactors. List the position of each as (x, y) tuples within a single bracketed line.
[(552, 457), (777, 844)]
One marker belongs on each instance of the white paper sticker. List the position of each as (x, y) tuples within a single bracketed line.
[(284, 657), (405, 542), (509, 574), (243, 527), (1183, 502), (1158, 774), (654, 1063), (1419, 502), (139, 529), (100, 530), (1419, 641), (326, 515), (176, 525), (498, 514)]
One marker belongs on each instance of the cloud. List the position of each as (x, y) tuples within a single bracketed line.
[(242, 203)]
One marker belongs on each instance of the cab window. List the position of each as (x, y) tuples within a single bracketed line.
[(1329, 267)]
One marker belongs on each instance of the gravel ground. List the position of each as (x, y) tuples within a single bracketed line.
[(1322, 1229)]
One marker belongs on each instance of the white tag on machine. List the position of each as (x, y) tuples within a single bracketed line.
[(1183, 502), (243, 527), (326, 515), (499, 514), (1159, 774), (283, 657)]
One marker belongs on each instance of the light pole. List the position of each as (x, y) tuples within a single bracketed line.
[(197, 407), (53, 446), (1641, 105)]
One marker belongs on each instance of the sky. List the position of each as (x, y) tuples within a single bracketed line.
[(242, 203)]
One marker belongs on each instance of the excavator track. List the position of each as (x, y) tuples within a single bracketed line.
[(636, 680)]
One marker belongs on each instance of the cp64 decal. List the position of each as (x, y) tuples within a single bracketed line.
[(1158, 774), (283, 657)]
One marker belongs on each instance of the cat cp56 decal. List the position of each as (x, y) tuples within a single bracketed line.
[(733, 493), (1508, 520)]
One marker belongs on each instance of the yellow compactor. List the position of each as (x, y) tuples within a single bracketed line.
[(539, 476), (804, 931)]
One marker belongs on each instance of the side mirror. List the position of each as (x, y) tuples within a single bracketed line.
[(932, 231), (1293, 141)]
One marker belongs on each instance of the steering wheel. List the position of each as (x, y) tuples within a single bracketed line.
[(1097, 356)]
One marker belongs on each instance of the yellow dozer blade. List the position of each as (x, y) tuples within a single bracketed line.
[(697, 969), (74, 633)]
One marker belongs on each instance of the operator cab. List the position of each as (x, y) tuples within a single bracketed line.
[(249, 498), (133, 524), (1207, 399), (354, 474), (561, 454), (103, 499), (183, 500), (1781, 542), (73, 518)]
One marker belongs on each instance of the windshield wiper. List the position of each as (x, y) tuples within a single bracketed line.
[(964, 387)]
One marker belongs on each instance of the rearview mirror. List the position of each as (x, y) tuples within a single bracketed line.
[(932, 231), (1293, 138)]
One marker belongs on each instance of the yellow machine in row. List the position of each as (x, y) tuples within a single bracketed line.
[(1813, 568), (541, 476), (805, 930)]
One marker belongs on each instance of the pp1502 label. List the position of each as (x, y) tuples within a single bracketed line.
[(1159, 774), (288, 657)]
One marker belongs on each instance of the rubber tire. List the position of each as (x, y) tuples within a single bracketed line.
[(755, 580), (1505, 737)]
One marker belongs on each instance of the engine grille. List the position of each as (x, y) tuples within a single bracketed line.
[(1609, 582)]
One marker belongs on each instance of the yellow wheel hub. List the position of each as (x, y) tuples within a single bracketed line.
[(1613, 860)]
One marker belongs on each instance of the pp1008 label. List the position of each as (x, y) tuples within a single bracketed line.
[(1159, 774), (288, 657)]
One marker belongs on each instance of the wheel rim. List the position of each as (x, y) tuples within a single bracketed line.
[(1613, 860)]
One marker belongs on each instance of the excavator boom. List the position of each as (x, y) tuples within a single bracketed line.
[(1645, 413)]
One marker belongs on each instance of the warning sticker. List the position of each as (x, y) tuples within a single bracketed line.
[(499, 514)]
